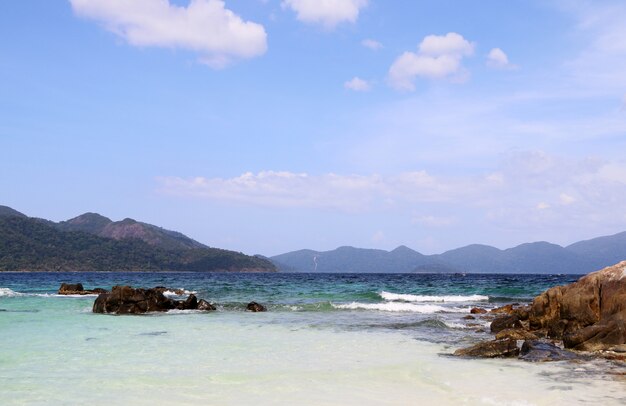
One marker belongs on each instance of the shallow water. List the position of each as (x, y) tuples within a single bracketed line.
[(327, 339)]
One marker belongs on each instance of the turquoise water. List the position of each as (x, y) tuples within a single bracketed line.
[(326, 339)]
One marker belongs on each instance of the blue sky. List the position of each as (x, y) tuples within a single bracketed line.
[(266, 126)]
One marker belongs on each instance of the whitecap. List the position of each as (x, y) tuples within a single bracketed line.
[(6, 292), (425, 298), (399, 307), (171, 293)]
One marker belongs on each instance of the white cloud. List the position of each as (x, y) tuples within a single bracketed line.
[(601, 64), (372, 44), (543, 206), (357, 84), (328, 13), (450, 44), (206, 27), (438, 57), (497, 59), (433, 221), (566, 199), (531, 190)]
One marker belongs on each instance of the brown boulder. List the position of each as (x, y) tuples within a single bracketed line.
[(490, 349), (478, 310), (588, 314), (515, 334), (505, 322), (507, 309)]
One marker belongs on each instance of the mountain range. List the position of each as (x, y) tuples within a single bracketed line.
[(92, 242), (537, 257)]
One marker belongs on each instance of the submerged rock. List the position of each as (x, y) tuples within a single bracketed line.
[(255, 307), (206, 306), (490, 349), (541, 351)]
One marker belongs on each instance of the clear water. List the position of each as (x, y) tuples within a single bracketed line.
[(326, 339)]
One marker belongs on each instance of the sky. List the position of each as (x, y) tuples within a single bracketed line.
[(266, 126)]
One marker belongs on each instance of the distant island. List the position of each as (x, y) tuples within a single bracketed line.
[(92, 242), (531, 258)]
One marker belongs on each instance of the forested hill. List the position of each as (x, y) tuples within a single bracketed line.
[(30, 244)]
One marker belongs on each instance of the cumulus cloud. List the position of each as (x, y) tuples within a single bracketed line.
[(330, 191), (531, 190), (328, 13), (206, 27), (497, 59), (357, 84), (372, 44), (438, 57)]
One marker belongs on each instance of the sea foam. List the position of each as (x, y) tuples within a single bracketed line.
[(6, 292), (399, 307), (424, 298)]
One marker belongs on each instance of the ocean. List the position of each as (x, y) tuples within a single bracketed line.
[(326, 339)]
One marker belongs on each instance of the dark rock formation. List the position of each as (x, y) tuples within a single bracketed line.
[(78, 289), (541, 351), (205, 306), (490, 349), (128, 300), (255, 307), (478, 310)]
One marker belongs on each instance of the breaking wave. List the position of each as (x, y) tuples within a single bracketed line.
[(424, 298), (400, 307)]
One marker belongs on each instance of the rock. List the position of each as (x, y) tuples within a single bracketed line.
[(469, 317), (598, 337), (490, 349), (128, 300), (77, 289), (190, 304), (541, 351), (588, 314), (478, 310), (505, 322), (522, 312), (515, 334), (508, 309), (255, 307), (205, 306), (71, 288)]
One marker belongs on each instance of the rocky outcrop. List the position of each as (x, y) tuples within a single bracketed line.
[(128, 300), (588, 314), (255, 307), (77, 289)]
